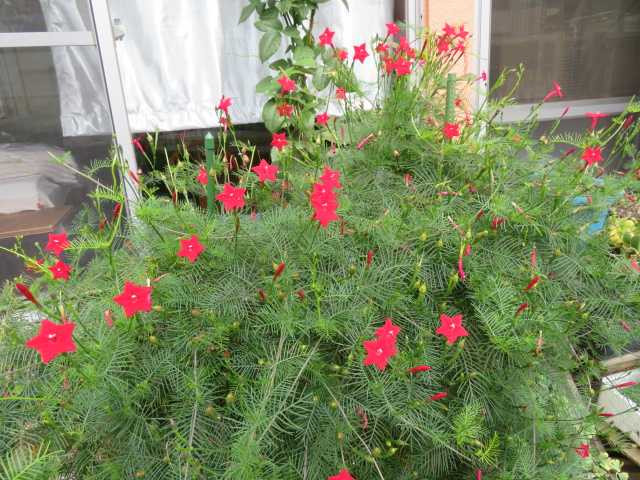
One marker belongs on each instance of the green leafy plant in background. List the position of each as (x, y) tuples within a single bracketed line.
[(403, 292)]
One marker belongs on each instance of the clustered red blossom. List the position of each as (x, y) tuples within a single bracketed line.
[(324, 200), (452, 40), (383, 347)]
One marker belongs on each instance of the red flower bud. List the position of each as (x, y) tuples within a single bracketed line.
[(418, 369), (625, 385), (522, 308), (532, 283), (369, 257), (26, 293), (278, 271)]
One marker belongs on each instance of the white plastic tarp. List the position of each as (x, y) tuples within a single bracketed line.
[(177, 58)]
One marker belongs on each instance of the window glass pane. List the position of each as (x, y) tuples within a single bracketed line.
[(590, 47), (19, 16), (51, 100)]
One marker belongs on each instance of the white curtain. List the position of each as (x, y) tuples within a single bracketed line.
[(177, 58)]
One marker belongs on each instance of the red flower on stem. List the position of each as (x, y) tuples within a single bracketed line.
[(583, 450), (266, 172), (326, 37), (606, 414), (134, 298), (418, 369), (325, 213), (534, 281), (496, 222), (392, 29), (231, 197), (451, 328), (322, 119), (388, 331), (592, 155), (595, 116), (53, 339), (451, 130), (443, 45), (342, 475), (534, 258), (556, 91), (58, 243), (341, 93), (438, 396), (224, 105), (478, 474), (286, 84), (462, 33), (402, 67), (203, 176), (634, 265), (379, 351), (342, 54), (360, 53), (26, 293), (190, 248), (279, 141), (60, 270), (116, 211)]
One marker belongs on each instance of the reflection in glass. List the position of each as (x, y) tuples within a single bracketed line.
[(590, 47), (52, 102)]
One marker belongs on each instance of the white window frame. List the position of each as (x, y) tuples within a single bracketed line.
[(548, 111), (103, 39)]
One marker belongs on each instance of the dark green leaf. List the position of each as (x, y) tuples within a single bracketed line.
[(269, 45), (269, 25), (268, 85), (270, 116), (292, 32), (304, 57), (320, 79)]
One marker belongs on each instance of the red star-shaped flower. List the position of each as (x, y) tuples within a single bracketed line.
[(449, 30), (379, 351), (342, 54), (392, 29), (266, 172), (286, 84), (231, 197), (402, 67), (583, 450), (203, 176), (360, 53), (451, 327), (438, 396), (556, 91), (592, 155), (341, 93), (330, 178), (462, 33), (60, 270), (279, 140), (595, 116), (388, 330), (285, 110), (134, 298), (53, 339), (325, 213), (190, 248), (58, 243), (326, 37), (443, 44), (322, 119), (342, 475), (451, 130), (224, 104)]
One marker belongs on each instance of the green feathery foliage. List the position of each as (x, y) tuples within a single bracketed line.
[(250, 363)]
